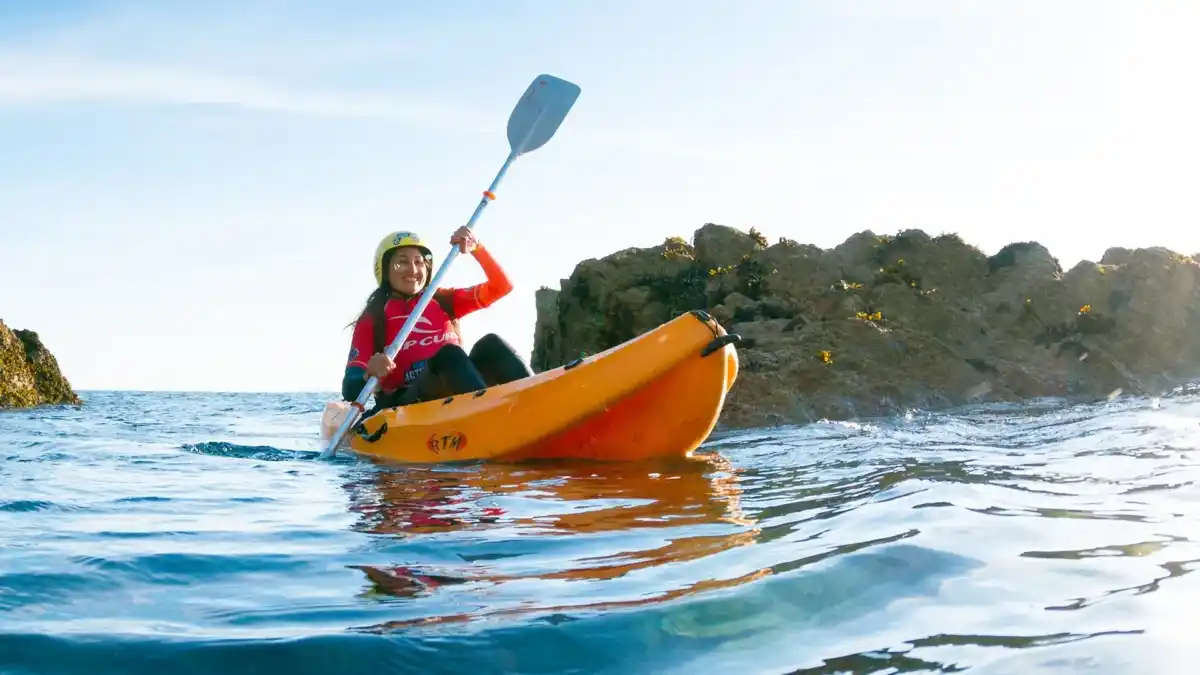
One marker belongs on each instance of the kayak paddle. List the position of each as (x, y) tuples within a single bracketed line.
[(533, 121)]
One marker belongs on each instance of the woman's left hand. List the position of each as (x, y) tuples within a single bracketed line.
[(465, 239)]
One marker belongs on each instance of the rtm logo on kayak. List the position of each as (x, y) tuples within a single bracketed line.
[(452, 440), (426, 341)]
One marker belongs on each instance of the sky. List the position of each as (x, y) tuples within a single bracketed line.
[(191, 193)]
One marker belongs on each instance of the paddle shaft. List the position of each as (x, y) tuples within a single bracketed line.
[(411, 322)]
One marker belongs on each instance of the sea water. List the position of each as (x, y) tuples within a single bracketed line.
[(180, 533)]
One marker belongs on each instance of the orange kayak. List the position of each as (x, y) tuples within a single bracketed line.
[(658, 394)]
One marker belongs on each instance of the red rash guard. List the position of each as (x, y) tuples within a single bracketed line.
[(433, 329)]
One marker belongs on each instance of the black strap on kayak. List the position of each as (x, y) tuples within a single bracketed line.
[(720, 340), (728, 339), (371, 438), (705, 318)]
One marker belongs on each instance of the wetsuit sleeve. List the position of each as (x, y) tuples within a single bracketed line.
[(474, 298), (362, 343), (353, 382), (361, 347)]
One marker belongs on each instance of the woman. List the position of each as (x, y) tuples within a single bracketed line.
[(431, 364)]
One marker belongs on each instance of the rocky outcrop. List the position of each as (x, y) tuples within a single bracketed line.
[(881, 324), (29, 374)]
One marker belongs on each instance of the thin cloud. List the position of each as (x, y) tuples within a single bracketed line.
[(38, 79), (41, 79)]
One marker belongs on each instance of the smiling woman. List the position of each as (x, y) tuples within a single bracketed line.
[(431, 363)]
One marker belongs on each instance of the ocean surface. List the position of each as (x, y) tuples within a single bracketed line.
[(174, 533)]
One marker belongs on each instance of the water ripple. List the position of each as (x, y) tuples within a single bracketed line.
[(190, 533)]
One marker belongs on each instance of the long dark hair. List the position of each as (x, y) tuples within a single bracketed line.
[(378, 299)]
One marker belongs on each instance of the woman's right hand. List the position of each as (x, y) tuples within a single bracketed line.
[(380, 366)]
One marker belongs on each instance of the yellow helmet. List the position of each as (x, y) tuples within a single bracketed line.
[(397, 240)]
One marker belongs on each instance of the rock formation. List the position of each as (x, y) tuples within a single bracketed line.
[(29, 374), (882, 324)]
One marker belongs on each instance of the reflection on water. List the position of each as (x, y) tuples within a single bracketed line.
[(688, 517), (688, 496), (576, 497)]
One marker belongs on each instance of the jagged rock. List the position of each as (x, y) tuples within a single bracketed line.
[(736, 307), (610, 300), (880, 324), (29, 374), (1117, 255), (719, 246), (856, 250), (547, 337), (1026, 255), (791, 273)]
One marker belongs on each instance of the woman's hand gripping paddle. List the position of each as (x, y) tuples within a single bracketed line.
[(533, 121)]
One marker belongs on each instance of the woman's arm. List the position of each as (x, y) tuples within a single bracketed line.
[(359, 367), (362, 344), (353, 382), (479, 296)]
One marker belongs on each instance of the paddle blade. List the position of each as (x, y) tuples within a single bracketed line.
[(539, 113)]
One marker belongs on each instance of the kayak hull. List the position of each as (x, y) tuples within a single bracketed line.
[(658, 394)]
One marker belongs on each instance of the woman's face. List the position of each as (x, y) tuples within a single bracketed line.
[(407, 270)]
